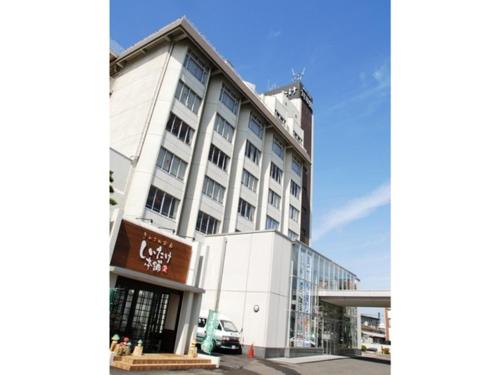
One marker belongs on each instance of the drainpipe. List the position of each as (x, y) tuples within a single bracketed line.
[(221, 272)]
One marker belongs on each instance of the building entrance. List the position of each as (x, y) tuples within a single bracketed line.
[(146, 312)]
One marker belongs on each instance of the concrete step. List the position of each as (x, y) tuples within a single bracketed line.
[(143, 361), (162, 366)]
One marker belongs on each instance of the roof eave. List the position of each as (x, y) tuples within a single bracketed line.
[(217, 60)]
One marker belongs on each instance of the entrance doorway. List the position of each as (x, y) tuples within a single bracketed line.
[(146, 312)]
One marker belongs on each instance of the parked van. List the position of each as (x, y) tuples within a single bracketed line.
[(226, 335)]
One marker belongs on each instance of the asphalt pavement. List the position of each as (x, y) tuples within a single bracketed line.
[(232, 364)]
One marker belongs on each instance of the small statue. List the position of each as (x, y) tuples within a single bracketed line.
[(114, 342), (123, 347), (193, 351), (138, 349)]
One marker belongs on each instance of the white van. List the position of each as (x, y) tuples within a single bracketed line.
[(226, 335)]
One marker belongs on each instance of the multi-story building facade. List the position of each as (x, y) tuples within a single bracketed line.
[(223, 174), (206, 154)]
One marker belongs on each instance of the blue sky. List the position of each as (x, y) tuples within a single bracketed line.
[(344, 47)]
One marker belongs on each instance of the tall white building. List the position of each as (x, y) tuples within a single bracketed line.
[(196, 150), (213, 188)]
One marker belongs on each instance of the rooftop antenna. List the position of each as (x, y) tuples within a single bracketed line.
[(297, 77)]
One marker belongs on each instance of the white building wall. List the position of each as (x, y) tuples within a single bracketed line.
[(256, 273)]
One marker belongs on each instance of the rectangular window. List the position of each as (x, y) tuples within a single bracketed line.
[(278, 148), (206, 223), (256, 126), (249, 180), (180, 129), (224, 128), (171, 164), (229, 100), (219, 158), (295, 189), (294, 213), (271, 223), (274, 199), (252, 152), (297, 167), (187, 97), (246, 210), (276, 173), (162, 202), (196, 67), (292, 235), (279, 116), (213, 189)]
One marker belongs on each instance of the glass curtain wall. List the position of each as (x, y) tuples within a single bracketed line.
[(315, 324)]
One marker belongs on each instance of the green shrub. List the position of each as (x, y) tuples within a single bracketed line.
[(363, 348), (386, 351)]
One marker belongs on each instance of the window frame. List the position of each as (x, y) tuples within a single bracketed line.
[(249, 177), (186, 95), (273, 198), (248, 210), (258, 128), (151, 200), (275, 170), (291, 215), (174, 162), (220, 154), (176, 125), (269, 219), (191, 56), (296, 167), (221, 125), (298, 188), (213, 190), (226, 92), (252, 152)]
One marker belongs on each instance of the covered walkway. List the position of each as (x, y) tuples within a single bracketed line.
[(356, 298)]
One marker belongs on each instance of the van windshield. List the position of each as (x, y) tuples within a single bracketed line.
[(228, 326)]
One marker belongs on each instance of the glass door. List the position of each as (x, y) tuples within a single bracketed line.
[(139, 312)]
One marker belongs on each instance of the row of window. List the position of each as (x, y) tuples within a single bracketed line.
[(167, 205), (176, 167)]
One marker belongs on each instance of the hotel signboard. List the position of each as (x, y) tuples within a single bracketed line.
[(143, 250)]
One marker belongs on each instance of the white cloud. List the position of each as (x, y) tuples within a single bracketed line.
[(381, 74), (274, 34), (355, 209)]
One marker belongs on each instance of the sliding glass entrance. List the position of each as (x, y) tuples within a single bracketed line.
[(145, 312)]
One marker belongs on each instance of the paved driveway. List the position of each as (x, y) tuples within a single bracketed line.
[(239, 364)]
